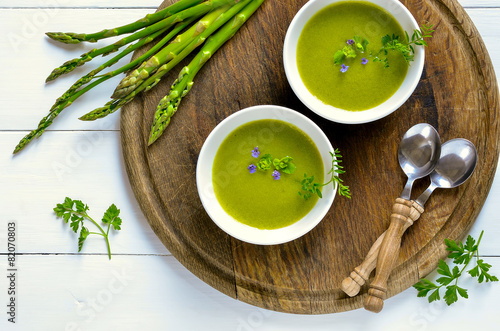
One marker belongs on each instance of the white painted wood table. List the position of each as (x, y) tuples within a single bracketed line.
[(143, 286)]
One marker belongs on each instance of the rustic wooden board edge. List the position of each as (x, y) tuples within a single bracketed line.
[(220, 278), (421, 264), (429, 256)]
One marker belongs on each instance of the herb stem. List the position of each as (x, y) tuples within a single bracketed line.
[(97, 233), (104, 234), (90, 219)]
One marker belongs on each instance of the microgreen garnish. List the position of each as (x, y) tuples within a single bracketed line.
[(75, 212), (358, 45), (355, 46), (252, 168), (255, 152), (285, 165), (276, 175), (310, 187), (461, 254), (265, 162)]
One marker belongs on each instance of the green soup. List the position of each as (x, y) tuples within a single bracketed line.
[(362, 86), (257, 199)]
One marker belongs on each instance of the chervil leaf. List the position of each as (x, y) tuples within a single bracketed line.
[(66, 217), (75, 222), (68, 204), (80, 207), (84, 233), (117, 222), (110, 214)]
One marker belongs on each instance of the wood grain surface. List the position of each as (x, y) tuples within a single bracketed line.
[(457, 94)]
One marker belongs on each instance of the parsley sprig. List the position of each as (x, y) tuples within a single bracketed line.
[(461, 255), (75, 212), (310, 187)]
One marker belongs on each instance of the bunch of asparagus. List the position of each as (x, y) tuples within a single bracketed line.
[(179, 29)]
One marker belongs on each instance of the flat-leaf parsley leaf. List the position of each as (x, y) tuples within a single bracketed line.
[(461, 254)]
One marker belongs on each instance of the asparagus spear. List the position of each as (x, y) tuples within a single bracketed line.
[(166, 54), (75, 38), (76, 90), (195, 11), (113, 105), (168, 106)]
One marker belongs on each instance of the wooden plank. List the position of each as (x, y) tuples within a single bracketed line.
[(152, 4), (81, 165), (157, 293), (49, 55), (25, 94)]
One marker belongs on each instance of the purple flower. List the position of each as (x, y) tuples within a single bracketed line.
[(344, 68), (350, 42), (364, 60), (255, 152), (276, 175), (252, 168)]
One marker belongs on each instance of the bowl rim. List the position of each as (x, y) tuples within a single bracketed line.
[(407, 22), (213, 208)]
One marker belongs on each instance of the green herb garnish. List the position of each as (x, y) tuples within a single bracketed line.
[(461, 254), (75, 212), (354, 46), (285, 165), (358, 45), (310, 187), (265, 162), (406, 48)]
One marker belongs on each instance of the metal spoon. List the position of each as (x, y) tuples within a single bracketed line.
[(418, 154), (456, 164)]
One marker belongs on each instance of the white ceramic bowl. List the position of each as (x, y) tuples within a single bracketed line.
[(407, 22), (206, 190)]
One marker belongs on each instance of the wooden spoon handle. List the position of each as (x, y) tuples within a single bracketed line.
[(389, 251), (359, 276)]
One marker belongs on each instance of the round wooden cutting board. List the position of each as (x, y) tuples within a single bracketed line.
[(457, 94)]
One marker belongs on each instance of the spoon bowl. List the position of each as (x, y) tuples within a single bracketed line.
[(418, 154), (456, 164)]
